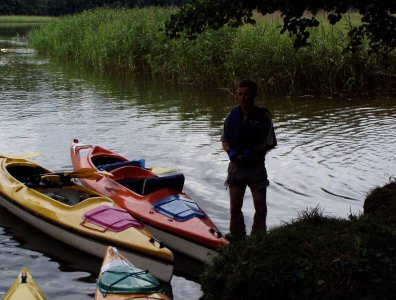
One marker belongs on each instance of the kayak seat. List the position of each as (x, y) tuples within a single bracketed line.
[(49, 180), (131, 177), (178, 208), (66, 195), (115, 165), (152, 184), (133, 184), (148, 185)]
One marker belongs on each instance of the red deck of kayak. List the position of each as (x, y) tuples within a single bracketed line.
[(199, 230)]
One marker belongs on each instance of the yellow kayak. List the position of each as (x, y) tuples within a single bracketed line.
[(120, 280), (55, 204), (24, 288)]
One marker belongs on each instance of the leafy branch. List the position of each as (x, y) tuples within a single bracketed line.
[(378, 20)]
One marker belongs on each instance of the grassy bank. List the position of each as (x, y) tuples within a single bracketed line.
[(314, 257), (132, 41)]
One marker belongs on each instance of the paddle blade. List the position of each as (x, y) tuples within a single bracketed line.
[(159, 170), (21, 156), (50, 178)]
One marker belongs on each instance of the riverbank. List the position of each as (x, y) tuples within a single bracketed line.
[(132, 41), (314, 257), (4, 20)]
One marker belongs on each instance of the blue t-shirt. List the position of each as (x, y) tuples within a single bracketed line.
[(243, 132)]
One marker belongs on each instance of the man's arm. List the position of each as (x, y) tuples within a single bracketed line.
[(226, 146), (233, 155), (269, 141), (224, 140), (262, 149)]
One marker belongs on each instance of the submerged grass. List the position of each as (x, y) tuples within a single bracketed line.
[(133, 41)]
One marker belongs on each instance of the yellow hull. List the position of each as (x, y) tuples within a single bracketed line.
[(36, 205), (24, 288)]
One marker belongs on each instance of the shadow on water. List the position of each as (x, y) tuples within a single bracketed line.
[(28, 237), (16, 29), (151, 94)]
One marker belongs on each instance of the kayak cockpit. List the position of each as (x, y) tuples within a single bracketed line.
[(68, 196), (53, 185), (133, 175), (25, 172), (144, 182)]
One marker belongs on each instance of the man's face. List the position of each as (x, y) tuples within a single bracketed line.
[(246, 96)]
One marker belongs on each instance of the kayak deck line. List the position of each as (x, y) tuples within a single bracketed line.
[(71, 229), (60, 209), (103, 241), (24, 288), (119, 279), (157, 201)]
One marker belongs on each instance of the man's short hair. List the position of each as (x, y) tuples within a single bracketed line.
[(249, 83)]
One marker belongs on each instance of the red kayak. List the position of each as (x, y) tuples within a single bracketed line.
[(158, 201)]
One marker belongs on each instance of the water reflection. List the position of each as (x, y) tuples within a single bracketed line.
[(340, 144), (12, 30), (25, 243), (60, 271), (330, 153)]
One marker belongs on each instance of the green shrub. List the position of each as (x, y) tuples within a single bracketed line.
[(313, 257), (132, 41)]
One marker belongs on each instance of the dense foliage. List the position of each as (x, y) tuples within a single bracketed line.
[(378, 20), (130, 41), (313, 257), (63, 7)]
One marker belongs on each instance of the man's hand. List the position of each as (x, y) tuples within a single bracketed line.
[(233, 155)]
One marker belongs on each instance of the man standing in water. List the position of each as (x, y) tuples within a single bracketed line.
[(247, 135)]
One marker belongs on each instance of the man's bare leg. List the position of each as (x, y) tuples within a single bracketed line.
[(237, 223), (260, 204)]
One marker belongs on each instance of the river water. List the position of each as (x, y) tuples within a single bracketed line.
[(330, 154)]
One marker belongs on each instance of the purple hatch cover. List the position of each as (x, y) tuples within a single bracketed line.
[(111, 218)]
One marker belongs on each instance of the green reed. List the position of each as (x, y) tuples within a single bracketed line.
[(132, 41)]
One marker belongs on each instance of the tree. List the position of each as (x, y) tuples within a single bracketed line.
[(378, 20), (64, 7)]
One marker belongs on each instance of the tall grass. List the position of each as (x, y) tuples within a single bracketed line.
[(133, 41)]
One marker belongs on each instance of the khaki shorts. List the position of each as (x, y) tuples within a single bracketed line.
[(241, 175)]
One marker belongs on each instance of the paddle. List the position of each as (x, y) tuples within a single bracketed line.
[(21, 156), (86, 173), (159, 170)]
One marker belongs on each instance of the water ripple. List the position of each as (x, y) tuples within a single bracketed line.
[(330, 153)]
